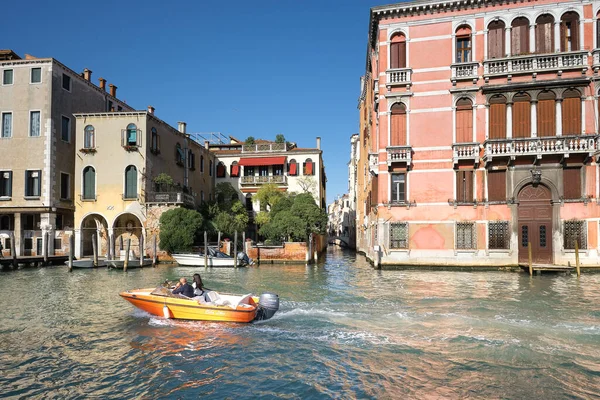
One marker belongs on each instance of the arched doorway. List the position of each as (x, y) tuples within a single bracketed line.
[(94, 224), (535, 224), (127, 226)]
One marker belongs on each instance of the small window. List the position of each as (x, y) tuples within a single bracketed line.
[(89, 183), (292, 168), (308, 168), (496, 182), (66, 129), (463, 44), (575, 231), (277, 170), (498, 234), (89, 140), (210, 167), (263, 170), (7, 77), (572, 183), (131, 138), (191, 160), (6, 223), (154, 146), (58, 243), (248, 171), (109, 106), (221, 170), (33, 183), (60, 225), (6, 125), (119, 108), (179, 156), (5, 183), (36, 75), (464, 186), (466, 236), (34, 124), (235, 169), (201, 163), (131, 182), (66, 82), (65, 186), (399, 235), (398, 189)]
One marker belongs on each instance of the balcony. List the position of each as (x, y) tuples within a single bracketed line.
[(465, 72), (170, 198), (538, 147), (534, 63), (596, 60), (261, 180), (399, 154), (465, 152), (398, 77), (376, 86), (264, 148), (374, 163)]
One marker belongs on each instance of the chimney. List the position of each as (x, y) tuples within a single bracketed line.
[(113, 90), (206, 144), (181, 126), (150, 110), (87, 75), (102, 83), (318, 143)]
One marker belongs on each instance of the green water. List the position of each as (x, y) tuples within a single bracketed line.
[(343, 331)]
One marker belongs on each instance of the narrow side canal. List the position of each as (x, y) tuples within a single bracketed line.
[(343, 330)]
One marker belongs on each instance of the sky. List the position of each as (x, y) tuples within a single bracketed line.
[(243, 68)]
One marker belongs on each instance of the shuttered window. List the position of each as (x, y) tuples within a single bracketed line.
[(496, 39), (571, 113), (546, 114), (398, 125), (464, 186), (544, 34), (497, 117), (572, 183), (131, 182), (569, 32), (496, 182), (464, 121), (398, 52), (519, 36), (521, 116), (89, 184)]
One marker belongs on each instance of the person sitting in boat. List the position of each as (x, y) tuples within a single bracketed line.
[(184, 288), (198, 286)]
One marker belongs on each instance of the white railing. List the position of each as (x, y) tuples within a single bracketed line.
[(539, 146), (263, 147), (376, 86), (401, 154), (465, 151), (374, 163), (596, 59), (466, 70), (398, 76), (261, 180), (536, 63)]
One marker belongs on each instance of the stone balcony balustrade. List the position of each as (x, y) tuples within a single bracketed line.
[(398, 77), (170, 198), (374, 163), (465, 71), (534, 63), (538, 147), (465, 151), (596, 59), (261, 180), (399, 154), (264, 147)]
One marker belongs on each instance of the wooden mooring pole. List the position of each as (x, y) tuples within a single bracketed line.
[(205, 249), (126, 262), (577, 259), (154, 255), (13, 250), (530, 259), (71, 251), (141, 251), (219, 241), (45, 249), (235, 258), (95, 250)]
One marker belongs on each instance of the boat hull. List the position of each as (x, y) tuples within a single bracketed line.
[(120, 264), (188, 309), (83, 264), (197, 260)]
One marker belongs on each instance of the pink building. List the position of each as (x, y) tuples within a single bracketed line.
[(479, 133)]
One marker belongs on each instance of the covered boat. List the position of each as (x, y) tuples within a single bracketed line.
[(217, 307), (215, 258)]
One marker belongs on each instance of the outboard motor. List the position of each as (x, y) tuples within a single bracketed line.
[(268, 304), (243, 257)]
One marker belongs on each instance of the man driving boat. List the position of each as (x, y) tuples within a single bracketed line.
[(183, 288)]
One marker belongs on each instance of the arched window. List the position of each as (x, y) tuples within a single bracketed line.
[(89, 138), (131, 135), (131, 182), (221, 170), (496, 47), (521, 116), (463, 44), (210, 167), (191, 160), (546, 114), (519, 36), (398, 125), (155, 144), (235, 169), (398, 51), (292, 167), (179, 156), (571, 113), (497, 117), (464, 121), (201, 163), (544, 34), (569, 31), (308, 167), (89, 183)]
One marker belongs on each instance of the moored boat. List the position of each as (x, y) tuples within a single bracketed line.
[(120, 264), (222, 307), (215, 258), (87, 263)]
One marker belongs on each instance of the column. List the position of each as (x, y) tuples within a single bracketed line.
[(487, 121), (507, 41), (557, 36), (559, 117), (18, 230), (534, 118), (48, 223), (532, 48), (583, 115), (509, 120), (485, 44), (78, 251)]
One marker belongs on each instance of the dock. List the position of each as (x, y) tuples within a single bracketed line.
[(32, 260), (539, 268)]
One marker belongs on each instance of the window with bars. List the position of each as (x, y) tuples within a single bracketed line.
[(498, 235), (399, 235), (575, 231), (466, 236)]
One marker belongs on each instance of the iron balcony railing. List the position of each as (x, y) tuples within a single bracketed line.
[(538, 147), (261, 180)]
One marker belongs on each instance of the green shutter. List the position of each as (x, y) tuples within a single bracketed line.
[(131, 182), (89, 183)]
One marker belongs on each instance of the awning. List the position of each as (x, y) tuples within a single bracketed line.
[(254, 162)]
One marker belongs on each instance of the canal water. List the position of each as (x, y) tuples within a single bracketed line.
[(343, 331)]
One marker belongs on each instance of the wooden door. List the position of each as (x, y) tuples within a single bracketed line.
[(535, 224)]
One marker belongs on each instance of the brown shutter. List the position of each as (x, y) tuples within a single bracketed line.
[(563, 36), (464, 125), (469, 186), (544, 34), (375, 190), (460, 177), (572, 183), (464, 186), (497, 185), (571, 116), (496, 40), (497, 118), (546, 115), (574, 34), (597, 33), (394, 55), (398, 128), (402, 55), (521, 117)]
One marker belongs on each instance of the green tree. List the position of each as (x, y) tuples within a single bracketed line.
[(226, 195), (233, 220), (280, 138), (250, 140), (294, 218), (178, 229), (268, 195), (163, 181)]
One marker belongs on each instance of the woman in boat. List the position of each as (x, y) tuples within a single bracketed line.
[(198, 285)]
